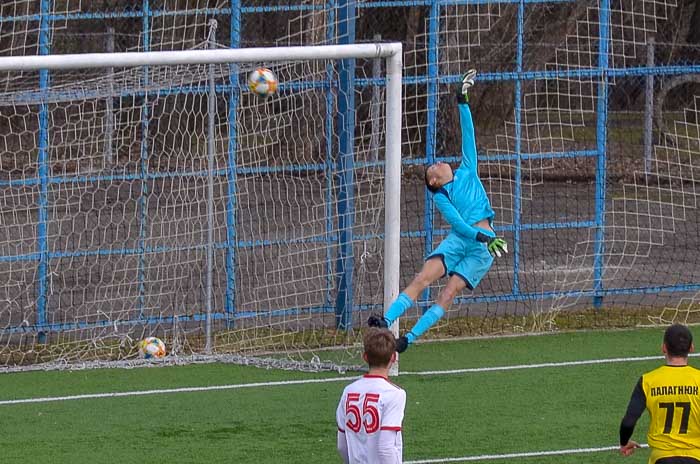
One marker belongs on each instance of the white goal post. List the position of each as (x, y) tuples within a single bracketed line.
[(15, 66)]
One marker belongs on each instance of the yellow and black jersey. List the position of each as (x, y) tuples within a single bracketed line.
[(671, 394)]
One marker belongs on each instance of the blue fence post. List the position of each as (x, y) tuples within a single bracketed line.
[(143, 197), (601, 146), (43, 161), (518, 200), (345, 169), (649, 109), (431, 125), (329, 123), (231, 238)]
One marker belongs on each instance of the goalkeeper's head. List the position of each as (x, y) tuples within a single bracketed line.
[(678, 341), (380, 348), (437, 175)]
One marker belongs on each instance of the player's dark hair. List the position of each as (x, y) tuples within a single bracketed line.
[(678, 340), (432, 188), (380, 345)]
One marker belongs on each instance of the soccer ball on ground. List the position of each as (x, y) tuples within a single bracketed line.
[(151, 348), (262, 81)]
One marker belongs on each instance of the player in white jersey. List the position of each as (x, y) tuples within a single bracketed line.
[(370, 411)]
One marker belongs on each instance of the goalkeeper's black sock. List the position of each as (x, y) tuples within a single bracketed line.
[(378, 321), (401, 344)]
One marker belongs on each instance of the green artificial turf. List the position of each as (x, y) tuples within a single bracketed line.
[(447, 415)]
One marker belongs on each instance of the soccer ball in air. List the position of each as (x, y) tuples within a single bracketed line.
[(262, 81), (151, 348)]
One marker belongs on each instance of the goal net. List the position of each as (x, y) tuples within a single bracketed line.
[(587, 131), (589, 150), (156, 195)]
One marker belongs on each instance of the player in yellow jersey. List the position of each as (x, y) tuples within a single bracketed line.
[(671, 394)]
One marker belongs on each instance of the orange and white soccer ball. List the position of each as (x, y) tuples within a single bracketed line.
[(151, 348), (262, 81)]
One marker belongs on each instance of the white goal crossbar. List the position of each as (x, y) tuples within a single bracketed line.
[(390, 51)]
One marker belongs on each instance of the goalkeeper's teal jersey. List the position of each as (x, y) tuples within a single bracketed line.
[(463, 201)]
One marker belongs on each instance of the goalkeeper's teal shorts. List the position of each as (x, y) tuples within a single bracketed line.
[(467, 259)]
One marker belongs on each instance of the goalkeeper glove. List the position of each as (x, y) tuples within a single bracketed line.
[(495, 245), (467, 81)]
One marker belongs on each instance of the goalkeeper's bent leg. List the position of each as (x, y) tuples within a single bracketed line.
[(426, 321), (397, 308)]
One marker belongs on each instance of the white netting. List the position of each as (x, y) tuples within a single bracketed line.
[(552, 147), (651, 224), (625, 231), (123, 197), (642, 207)]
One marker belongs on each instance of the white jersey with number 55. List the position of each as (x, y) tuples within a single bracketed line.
[(369, 417)]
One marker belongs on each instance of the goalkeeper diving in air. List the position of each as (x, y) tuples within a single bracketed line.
[(466, 254)]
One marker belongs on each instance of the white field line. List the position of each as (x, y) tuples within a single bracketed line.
[(532, 366), (172, 390), (48, 399), (490, 457), (540, 365)]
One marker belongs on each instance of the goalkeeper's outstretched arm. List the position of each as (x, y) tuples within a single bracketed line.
[(469, 159), (466, 122)]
